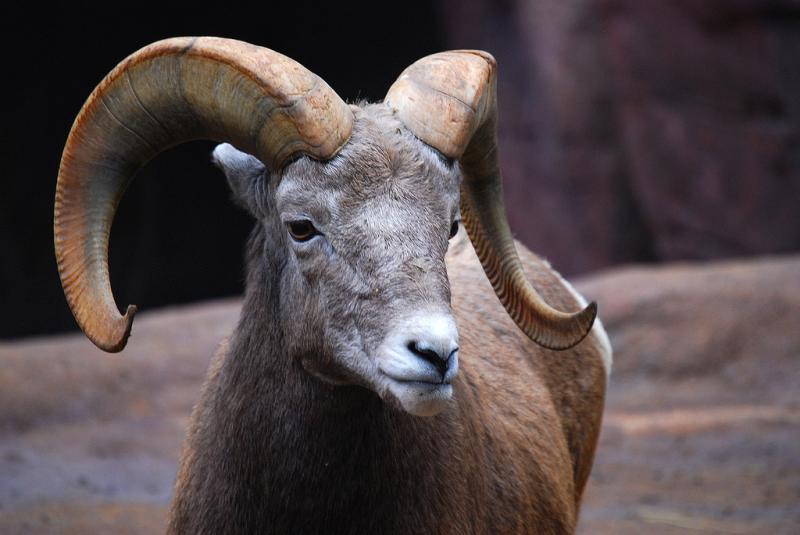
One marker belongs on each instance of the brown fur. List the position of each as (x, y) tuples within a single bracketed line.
[(274, 449)]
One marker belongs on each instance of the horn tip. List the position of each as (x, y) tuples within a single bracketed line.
[(591, 314), (117, 341), (582, 323), (585, 321), (130, 312)]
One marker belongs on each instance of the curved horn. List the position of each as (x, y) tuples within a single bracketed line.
[(167, 93), (448, 100)]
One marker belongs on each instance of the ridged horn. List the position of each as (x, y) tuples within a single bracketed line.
[(448, 100), (167, 93)]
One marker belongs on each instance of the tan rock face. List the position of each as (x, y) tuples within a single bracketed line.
[(698, 320), (700, 431), (703, 408)]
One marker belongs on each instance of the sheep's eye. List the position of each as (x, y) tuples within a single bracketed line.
[(454, 229), (301, 230)]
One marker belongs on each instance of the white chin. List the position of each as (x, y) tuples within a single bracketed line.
[(421, 399)]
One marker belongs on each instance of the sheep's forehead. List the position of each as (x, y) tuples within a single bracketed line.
[(383, 168)]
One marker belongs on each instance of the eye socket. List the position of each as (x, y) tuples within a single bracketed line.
[(301, 230), (454, 229)]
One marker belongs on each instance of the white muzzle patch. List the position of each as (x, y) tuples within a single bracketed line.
[(418, 361)]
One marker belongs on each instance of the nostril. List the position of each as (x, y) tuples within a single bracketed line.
[(439, 360), (424, 352)]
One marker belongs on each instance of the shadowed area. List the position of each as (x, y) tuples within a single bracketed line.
[(700, 431)]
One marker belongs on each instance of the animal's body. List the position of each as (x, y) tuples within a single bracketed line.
[(375, 383), (308, 458), (274, 450)]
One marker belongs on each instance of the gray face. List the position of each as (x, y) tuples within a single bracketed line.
[(364, 293)]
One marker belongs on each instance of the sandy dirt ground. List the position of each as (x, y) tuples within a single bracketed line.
[(701, 431)]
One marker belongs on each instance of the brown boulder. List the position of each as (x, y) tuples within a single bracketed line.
[(697, 320)]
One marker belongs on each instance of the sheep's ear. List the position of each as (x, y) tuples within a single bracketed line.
[(245, 174)]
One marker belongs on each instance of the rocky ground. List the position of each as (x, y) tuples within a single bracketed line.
[(701, 433), (702, 428)]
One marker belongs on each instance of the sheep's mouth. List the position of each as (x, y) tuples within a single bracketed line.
[(416, 372), (420, 398), (442, 381)]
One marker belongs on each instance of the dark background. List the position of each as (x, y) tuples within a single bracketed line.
[(630, 130)]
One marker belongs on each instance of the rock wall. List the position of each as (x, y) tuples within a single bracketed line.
[(638, 130)]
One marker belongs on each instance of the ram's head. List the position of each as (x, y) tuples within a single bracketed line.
[(356, 203)]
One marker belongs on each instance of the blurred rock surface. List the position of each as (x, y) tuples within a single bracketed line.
[(702, 425), (636, 130)]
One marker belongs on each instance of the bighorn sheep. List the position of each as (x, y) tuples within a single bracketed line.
[(346, 400)]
